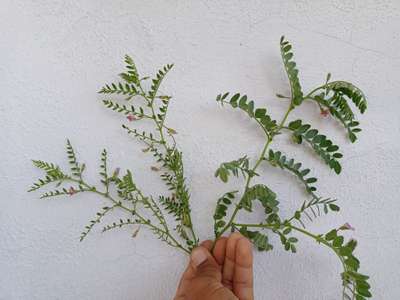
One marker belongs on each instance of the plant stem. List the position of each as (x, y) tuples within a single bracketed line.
[(258, 162), (317, 238), (132, 212), (160, 125)]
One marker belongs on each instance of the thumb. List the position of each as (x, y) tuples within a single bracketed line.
[(204, 264)]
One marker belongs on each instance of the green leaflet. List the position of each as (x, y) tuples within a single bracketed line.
[(221, 210), (259, 114), (354, 283), (156, 82), (132, 74), (173, 207), (263, 194), (233, 167), (291, 71), (124, 109), (276, 158), (120, 88), (103, 169), (96, 220), (335, 99), (53, 174), (76, 169), (350, 91), (312, 209), (131, 85), (126, 185), (165, 100), (260, 240), (176, 181), (319, 142), (120, 224)]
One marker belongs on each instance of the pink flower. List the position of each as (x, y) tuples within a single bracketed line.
[(324, 112), (346, 226), (71, 191), (131, 118)]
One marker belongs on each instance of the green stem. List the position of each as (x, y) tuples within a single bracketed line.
[(258, 162), (160, 125), (317, 238), (313, 91), (131, 211)]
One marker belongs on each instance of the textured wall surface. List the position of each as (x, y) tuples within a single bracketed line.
[(56, 54)]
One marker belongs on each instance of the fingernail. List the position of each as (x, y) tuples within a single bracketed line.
[(198, 256)]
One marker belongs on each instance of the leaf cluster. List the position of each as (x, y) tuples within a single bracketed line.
[(322, 146)]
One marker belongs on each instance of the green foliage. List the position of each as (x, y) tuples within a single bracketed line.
[(259, 114), (169, 217), (124, 109), (76, 168), (335, 98), (291, 71), (234, 167), (103, 169), (156, 82), (131, 85), (260, 240), (221, 210), (261, 193), (332, 97), (323, 146), (350, 91), (120, 88), (276, 159), (96, 220), (132, 74), (53, 174), (126, 186), (312, 209), (355, 285)]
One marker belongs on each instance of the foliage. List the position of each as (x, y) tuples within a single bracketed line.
[(234, 166), (291, 71), (333, 98), (259, 114), (168, 215), (278, 159), (323, 146)]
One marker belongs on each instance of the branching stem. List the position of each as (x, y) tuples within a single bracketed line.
[(248, 180), (133, 212)]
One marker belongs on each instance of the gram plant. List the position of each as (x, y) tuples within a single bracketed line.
[(335, 99)]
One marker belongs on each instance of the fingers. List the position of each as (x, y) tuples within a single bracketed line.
[(243, 275), (202, 270), (184, 283), (207, 244), (219, 250), (204, 264), (203, 275), (229, 262)]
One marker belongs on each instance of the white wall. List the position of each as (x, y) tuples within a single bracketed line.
[(55, 55)]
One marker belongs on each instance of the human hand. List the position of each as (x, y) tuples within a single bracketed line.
[(224, 274)]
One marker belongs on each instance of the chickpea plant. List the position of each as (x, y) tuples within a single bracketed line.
[(334, 98)]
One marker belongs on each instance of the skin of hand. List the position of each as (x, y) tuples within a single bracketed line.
[(224, 274)]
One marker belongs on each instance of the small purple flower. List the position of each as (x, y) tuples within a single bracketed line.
[(324, 112), (71, 191), (346, 226), (131, 118)]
